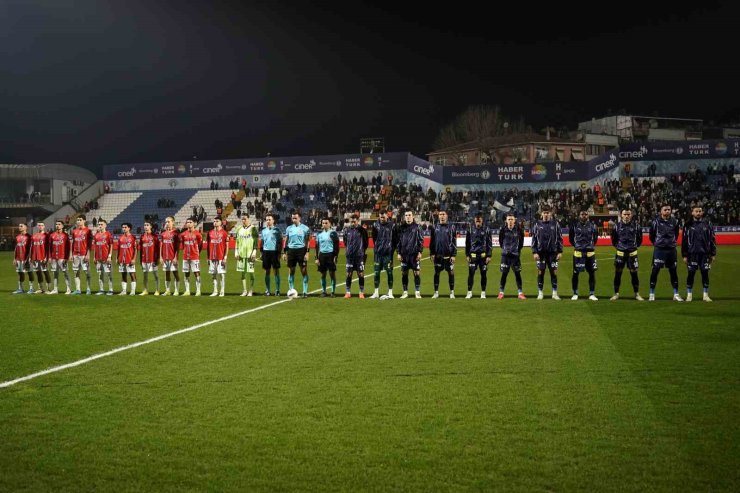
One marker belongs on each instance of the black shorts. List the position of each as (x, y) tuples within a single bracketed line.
[(443, 263), (547, 259), (355, 264), (478, 261), (699, 261), (513, 262), (326, 262), (270, 260), (296, 256), (584, 260), (664, 257), (628, 258), (410, 262)]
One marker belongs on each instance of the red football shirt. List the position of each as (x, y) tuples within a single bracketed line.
[(218, 241), (59, 246), (103, 244), (170, 244), (126, 249), (81, 241), (40, 246), (191, 243), (149, 248), (23, 247)]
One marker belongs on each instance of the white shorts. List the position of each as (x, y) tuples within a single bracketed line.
[(80, 261), (130, 268), (191, 265), (41, 265), (216, 267), (21, 266), (58, 264), (149, 267), (103, 267), (169, 265)]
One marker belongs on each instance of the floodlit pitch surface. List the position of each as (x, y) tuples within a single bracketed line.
[(347, 395)]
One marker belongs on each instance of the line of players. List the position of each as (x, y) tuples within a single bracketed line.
[(44, 252)]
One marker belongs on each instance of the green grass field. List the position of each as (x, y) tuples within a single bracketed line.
[(403, 395)]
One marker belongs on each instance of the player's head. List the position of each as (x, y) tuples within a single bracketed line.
[(126, 228), (80, 222), (697, 212), (147, 227), (665, 211), (354, 220), (408, 217), (546, 213), (325, 224), (296, 218), (217, 222), (442, 217), (41, 226), (383, 217), (626, 215), (270, 220), (22, 228), (245, 220), (478, 220), (169, 223), (583, 215), (102, 225), (190, 224), (510, 220), (59, 225)]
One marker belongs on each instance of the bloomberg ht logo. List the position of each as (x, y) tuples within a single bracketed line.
[(123, 174), (640, 153), (424, 171), (611, 162)]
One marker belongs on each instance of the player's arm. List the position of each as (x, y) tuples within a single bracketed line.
[(685, 241), (335, 243), (489, 245), (535, 241), (419, 242), (653, 231), (521, 238), (468, 243), (109, 239), (571, 234), (615, 235), (595, 236), (432, 248), (712, 243), (558, 239), (453, 243)]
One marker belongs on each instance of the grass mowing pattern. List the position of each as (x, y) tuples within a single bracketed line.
[(414, 395)]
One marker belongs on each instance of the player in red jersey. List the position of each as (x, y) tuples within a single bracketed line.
[(59, 255), (127, 258), (103, 248), (191, 241), (218, 249), (40, 256), (81, 245), (22, 261), (149, 256), (169, 244)]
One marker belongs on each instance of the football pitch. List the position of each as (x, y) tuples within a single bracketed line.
[(367, 395)]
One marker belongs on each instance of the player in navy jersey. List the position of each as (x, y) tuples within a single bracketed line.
[(663, 235), (583, 235), (698, 250), (547, 248)]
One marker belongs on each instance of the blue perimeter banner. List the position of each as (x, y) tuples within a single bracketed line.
[(238, 167), (683, 149)]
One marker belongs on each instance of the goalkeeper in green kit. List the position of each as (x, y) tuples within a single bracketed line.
[(246, 253)]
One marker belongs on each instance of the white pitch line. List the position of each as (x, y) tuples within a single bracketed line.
[(94, 357)]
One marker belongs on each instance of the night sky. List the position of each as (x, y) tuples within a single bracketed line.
[(107, 82)]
